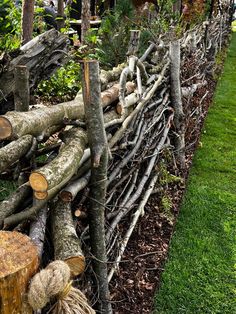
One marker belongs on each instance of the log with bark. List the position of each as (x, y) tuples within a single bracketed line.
[(38, 122), (14, 151), (67, 245), (63, 167), (14, 201), (41, 55)]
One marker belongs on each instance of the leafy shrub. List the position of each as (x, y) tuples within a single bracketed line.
[(10, 17), (64, 84), (114, 34)]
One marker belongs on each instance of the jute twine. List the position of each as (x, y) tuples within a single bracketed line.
[(54, 282)]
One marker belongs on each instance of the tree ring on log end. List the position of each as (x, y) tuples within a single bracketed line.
[(40, 195), (16, 252), (76, 264), (38, 182), (66, 196), (5, 128), (18, 263)]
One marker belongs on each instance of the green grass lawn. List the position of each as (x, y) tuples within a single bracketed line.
[(200, 274)]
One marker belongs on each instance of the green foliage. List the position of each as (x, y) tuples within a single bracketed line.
[(9, 25), (6, 188), (39, 23), (112, 38), (219, 62), (166, 208), (165, 177), (199, 276), (64, 84)]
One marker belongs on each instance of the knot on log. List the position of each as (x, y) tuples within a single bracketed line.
[(53, 281)]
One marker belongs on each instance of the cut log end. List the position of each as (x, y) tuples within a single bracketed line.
[(80, 214), (119, 108), (66, 196), (76, 264), (18, 263), (40, 195), (38, 182), (5, 128)]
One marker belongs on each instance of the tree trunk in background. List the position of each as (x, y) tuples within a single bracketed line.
[(85, 16), (177, 6), (60, 15), (27, 20)]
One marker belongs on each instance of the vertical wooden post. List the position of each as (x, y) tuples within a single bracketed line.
[(18, 263), (85, 17), (60, 15), (177, 101), (133, 42), (27, 20), (99, 156), (22, 91)]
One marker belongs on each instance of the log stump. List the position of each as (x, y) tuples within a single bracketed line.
[(18, 263)]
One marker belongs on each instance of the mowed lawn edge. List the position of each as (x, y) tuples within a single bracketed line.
[(200, 273)]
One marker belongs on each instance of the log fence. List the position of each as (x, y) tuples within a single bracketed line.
[(145, 115)]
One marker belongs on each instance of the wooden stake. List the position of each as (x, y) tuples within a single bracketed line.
[(99, 156), (22, 90), (177, 101), (134, 42), (18, 263)]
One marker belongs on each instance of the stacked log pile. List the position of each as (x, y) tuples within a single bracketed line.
[(144, 119)]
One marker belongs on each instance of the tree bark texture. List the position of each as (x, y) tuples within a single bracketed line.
[(177, 101), (69, 192), (31, 213), (85, 16), (38, 229), (66, 243), (99, 158), (60, 15), (93, 110), (63, 166), (13, 151), (41, 56), (27, 21), (111, 75), (35, 122), (134, 42), (21, 91), (13, 202), (111, 95), (18, 263)]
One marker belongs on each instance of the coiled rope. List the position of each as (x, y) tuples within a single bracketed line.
[(54, 282)]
